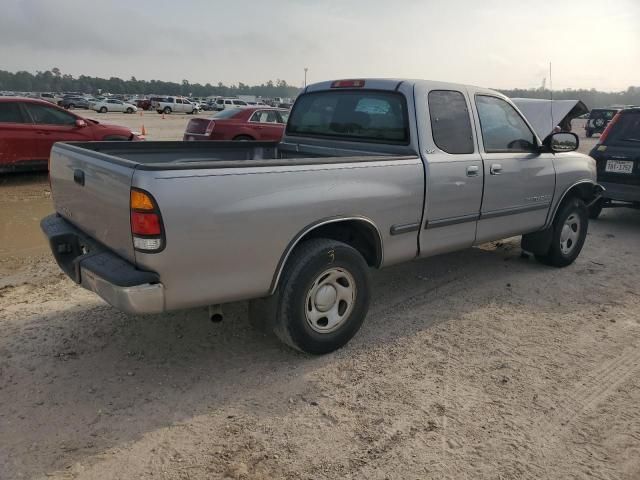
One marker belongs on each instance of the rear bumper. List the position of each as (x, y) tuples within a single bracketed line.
[(621, 192), (101, 271)]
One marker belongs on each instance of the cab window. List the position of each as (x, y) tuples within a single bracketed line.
[(503, 129), (450, 122)]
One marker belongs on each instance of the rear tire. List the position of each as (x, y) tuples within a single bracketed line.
[(323, 296), (103, 109), (71, 106), (569, 233)]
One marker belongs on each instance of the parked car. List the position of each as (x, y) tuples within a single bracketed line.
[(174, 105), (75, 102), (49, 97), (113, 105), (369, 173), (598, 120), (229, 103), (251, 123), (617, 157), (29, 127)]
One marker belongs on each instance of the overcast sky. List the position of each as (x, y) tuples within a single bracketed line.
[(493, 43)]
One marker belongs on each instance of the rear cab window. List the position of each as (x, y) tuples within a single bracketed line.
[(352, 115)]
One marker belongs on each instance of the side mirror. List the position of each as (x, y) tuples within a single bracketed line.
[(561, 142), (80, 123)]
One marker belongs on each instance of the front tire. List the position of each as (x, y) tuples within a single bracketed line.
[(167, 110), (129, 110), (569, 233), (323, 296)]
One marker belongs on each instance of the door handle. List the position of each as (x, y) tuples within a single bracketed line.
[(472, 171), (78, 177), (496, 169)]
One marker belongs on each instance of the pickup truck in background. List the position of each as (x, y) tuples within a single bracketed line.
[(174, 104), (369, 173)]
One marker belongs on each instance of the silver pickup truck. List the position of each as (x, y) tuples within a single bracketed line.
[(369, 173)]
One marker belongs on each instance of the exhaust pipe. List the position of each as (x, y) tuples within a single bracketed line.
[(215, 313)]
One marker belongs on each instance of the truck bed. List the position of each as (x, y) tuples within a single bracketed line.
[(161, 155)]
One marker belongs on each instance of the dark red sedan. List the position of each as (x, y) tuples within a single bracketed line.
[(29, 128), (252, 123)]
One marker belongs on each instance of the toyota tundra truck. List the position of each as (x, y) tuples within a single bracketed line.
[(369, 173)]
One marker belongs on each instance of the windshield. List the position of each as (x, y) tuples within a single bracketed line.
[(625, 131), (363, 115)]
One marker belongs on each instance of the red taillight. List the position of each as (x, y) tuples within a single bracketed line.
[(145, 223), (210, 127), (605, 134), (348, 84)]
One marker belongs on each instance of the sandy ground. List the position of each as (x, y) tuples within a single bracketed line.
[(474, 365)]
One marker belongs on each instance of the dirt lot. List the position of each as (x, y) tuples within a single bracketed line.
[(479, 364)]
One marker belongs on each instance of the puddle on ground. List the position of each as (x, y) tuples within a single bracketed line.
[(24, 200)]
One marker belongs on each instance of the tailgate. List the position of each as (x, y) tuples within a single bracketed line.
[(92, 193)]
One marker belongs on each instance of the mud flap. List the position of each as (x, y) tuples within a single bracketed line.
[(537, 243)]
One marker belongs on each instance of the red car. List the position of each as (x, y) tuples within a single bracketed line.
[(252, 123), (29, 128)]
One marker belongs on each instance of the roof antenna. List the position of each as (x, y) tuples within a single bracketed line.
[(553, 127)]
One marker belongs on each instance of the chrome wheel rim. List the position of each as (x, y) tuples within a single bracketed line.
[(570, 234), (330, 300)]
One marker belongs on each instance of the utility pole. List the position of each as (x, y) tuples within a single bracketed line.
[(305, 76)]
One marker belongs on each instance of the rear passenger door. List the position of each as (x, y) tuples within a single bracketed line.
[(519, 180), (266, 125), (453, 172)]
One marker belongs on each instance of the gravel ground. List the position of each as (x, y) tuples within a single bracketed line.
[(474, 365)]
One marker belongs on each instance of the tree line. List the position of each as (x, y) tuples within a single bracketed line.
[(55, 81), (592, 98)]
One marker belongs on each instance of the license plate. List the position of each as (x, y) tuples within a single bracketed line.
[(618, 166)]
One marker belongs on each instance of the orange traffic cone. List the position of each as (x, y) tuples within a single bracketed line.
[(143, 131)]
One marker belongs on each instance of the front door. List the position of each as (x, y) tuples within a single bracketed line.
[(454, 172), (54, 125), (519, 180)]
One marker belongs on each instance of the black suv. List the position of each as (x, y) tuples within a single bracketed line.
[(598, 120), (617, 157)]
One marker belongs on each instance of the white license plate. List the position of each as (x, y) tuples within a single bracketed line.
[(618, 166)]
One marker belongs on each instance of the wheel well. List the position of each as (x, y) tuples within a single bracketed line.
[(583, 191), (359, 234), (242, 136)]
